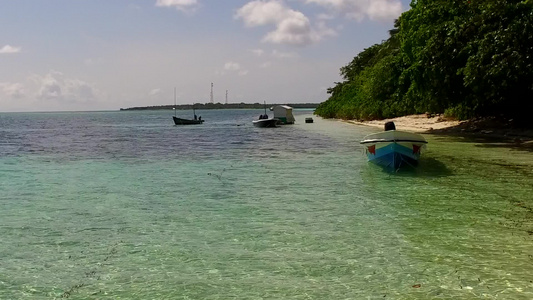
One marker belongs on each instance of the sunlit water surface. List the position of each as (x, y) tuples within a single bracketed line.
[(125, 205)]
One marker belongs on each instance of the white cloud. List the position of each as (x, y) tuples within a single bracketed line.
[(55, 86), (7, 49), (232, 66), (324, 17), (291, 27), (12, 90), (384, 10), (183, 5), (235, 67), (380, 10), (258, 52), (49, 87), (258, 13), (266, 64)]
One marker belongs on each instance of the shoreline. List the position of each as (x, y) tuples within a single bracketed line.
[(483, 130), (208, 106), (414, 123)]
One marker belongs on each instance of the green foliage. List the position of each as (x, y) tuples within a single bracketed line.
[(460, 112), (466, 58), (499, 72)]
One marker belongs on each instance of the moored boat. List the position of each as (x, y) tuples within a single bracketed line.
[(265, 121), (284, 114), (180, 121), (394, 149), (272, 122)]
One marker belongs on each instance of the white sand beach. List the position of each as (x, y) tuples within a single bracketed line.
[(414, 123)]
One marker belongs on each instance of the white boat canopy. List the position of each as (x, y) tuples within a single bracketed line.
[(284, 114)]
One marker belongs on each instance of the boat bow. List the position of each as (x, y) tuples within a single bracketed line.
[(394, 148)]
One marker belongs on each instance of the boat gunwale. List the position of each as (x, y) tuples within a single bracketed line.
[(391, 141)]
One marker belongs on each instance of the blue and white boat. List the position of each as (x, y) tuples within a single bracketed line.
[(394, 149)]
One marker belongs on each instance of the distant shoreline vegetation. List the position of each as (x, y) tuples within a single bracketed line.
[(220, 106)]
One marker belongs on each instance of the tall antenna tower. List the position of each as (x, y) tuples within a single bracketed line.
[(212, 93), (226, 96)]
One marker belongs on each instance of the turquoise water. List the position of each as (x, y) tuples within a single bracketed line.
[(125, 205)]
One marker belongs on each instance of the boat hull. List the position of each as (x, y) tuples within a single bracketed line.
[(394, 149), (265, 122), (180, 121)]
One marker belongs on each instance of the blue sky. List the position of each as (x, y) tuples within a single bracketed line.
[(103, 55)]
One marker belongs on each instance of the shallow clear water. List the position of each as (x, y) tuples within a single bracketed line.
[(125, 205)]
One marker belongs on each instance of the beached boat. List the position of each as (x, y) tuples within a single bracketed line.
[(394, 149), (181, 121), (265, 121)]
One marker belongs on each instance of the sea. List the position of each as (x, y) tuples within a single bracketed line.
[(127, 205)]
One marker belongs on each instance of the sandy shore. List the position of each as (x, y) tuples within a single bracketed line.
[(414, 123), (483, 128)]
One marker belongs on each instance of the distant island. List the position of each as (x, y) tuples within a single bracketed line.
[(241, 105)]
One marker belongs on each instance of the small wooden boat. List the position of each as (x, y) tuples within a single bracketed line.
[(394, 149), (181, 121)]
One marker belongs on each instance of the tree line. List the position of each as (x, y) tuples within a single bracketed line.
[(463, 58), (241, 105)]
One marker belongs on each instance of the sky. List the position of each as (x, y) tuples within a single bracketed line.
[(89, 55)]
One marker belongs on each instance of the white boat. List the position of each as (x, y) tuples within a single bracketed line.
[(269, 122), (265, 121), (283, 113)]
